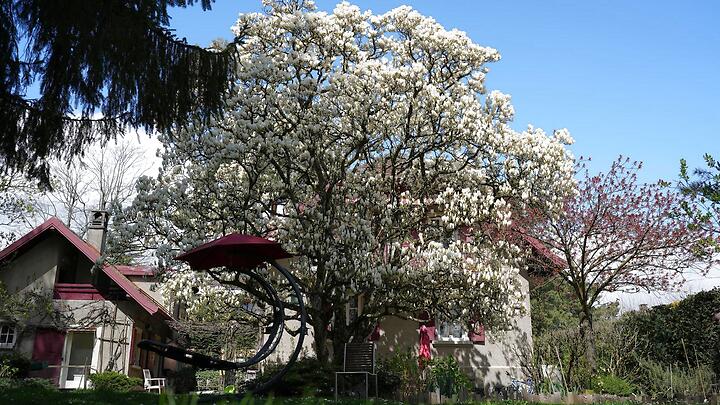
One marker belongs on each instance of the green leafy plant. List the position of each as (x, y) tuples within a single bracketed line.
[(448, 377), (307, 377), (667, 381), (26, 384), (401, 376), (14, 365), (613, 385), (114, 381)]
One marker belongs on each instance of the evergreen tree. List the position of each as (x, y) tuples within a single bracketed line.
[(99, 67)]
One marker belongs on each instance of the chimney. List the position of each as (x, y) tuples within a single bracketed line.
[(97, 229)]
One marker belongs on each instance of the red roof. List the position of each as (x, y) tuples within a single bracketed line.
[(540, 249), (113, 272), (235, 251)]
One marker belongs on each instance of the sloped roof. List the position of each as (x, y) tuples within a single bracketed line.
[(541, 250), (115, 274)]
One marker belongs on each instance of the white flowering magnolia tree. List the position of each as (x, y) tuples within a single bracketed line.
[(368, 146)]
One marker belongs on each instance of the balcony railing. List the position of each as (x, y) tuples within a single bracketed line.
[(67, 291)]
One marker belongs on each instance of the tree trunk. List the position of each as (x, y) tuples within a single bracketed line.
[(589, 336), (320, 335)]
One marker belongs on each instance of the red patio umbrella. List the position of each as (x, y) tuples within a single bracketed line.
[(235, 251)]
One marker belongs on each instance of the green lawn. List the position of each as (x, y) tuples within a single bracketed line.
[(51, 397)]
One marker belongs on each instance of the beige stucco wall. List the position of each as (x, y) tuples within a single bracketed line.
[(149, 285), (35, 269), (496, 362)]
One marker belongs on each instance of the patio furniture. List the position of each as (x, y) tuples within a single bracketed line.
[(151, 384), (359, 360)]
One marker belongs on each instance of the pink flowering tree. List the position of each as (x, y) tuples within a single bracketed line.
[(617, 235)]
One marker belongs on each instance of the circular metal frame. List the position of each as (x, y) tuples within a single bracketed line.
[(274, 335)]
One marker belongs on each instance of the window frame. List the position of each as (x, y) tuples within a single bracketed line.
[(8, 330), (357, 301)]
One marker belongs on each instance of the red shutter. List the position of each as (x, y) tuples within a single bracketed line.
[(48, 349), (477, 334)]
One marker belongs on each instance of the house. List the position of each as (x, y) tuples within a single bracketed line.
[(490, 359), (96, 314)]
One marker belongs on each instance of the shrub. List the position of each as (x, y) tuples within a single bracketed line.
[(182, 381), (26, 383), (306, 377), (667, 381), (114, 381), (447, 376), (14, 365), (680, 333), (613, 385), (209, 380), (401, 376)]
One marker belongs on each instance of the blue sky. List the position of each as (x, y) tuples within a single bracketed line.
[(637, 78)]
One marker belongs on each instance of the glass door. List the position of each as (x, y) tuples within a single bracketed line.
[(77, 360)]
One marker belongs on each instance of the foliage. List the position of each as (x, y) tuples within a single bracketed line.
[(114, 381), (400, 375), (16, 204), (556, 318), (216, 337), (683, 333), (613, 385), (116, 59), (28, 384), (348, 142), (182, 381), (211, 379), (33, 305), (14, 365), (703, 188), (307, 377), (667, 381), (618, 235), (448, 377), (554, 306)]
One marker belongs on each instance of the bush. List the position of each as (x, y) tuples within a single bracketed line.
[(447, 376), (209, 380), (613, 385), (182, 381), (26, 383), (114, 381), (305, 378), (401, 376), (663, 381), (680, 333), (14, 365)]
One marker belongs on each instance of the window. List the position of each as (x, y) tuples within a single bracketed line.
[(8, 336), (353, 309), (451, 331)]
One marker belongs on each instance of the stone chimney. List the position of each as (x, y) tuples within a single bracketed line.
[(97, 229)]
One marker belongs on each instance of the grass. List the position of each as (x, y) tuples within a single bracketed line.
[(34, 395)]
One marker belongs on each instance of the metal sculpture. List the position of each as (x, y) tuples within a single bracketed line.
[(243, 254)]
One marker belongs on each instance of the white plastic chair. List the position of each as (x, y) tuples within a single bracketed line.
[(151, 384)]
